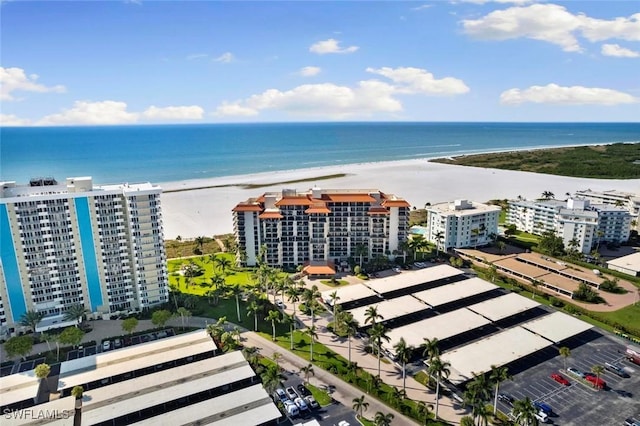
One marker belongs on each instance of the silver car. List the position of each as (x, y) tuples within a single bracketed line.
[(575, 372)]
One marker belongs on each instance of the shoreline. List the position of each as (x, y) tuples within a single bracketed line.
[(199, 207)]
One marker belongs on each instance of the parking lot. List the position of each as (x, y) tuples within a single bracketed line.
[(329, 415), (579, 403)]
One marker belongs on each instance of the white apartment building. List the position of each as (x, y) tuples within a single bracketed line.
[(320, 227), (461, 224), (617, 198), (575, 220), (76, 243)]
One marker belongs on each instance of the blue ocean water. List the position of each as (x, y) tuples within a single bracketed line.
[(164, 153)]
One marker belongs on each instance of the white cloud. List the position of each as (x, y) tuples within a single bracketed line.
[(330, 46), (422, 7), (574, 95), (169, 113), (15, 80), (495, 1), (309, 71), (416, 80), (234, 109), (97, 113), (551, 23), (195, 56), (618, 51), (225, 58), (12, 120)]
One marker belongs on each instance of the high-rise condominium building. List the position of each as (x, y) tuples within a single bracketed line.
[(627, 200), (320, 228), (79, 244), (461, 223)]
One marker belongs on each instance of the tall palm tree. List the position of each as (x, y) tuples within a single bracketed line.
[(31, 319), (252, 309), (271, 378), (597, 370), (382, 419), (273, 316), (371, 315), (396, 395), (312, 332), (360, 405), (350, 326), (75, 313), (293, 293), (430, 348), (497, 376), (307, 370), (417, 243), (289, 319), (222, 263), (403, 354), (199, 242), (423, 410), (334, 298), (361, 250), (525, 412), (379, 333), (184, 313), (236, 291), (438, 369), (439, 238), (565, 353), (277, 356)]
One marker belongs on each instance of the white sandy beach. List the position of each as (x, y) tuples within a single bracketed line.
[(194, 212)]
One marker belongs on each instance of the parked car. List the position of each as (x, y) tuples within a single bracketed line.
[(616, 369), (303, 391), (302, 405), (596, 382), (575, 372), (280, 304), (545, 408), (106, 345), (281, 395), (117, 343), (291, 393), (542, 417), (508, 399), (311, 402), (291, 408), (560, 379), (631, 422)]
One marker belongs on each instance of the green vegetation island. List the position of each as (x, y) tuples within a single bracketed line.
[(614, 161)]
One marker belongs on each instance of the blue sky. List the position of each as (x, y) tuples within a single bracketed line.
[(144, 62)]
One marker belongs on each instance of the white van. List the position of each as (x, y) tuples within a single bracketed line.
[(542, 416)]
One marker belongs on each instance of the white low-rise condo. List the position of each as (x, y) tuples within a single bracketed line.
[(321, 228), (79, 244), (461, 224), (579, 223)]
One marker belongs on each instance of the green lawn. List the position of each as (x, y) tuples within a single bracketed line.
[(319, 395)]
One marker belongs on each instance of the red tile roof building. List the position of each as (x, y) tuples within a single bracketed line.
[(319, 228)]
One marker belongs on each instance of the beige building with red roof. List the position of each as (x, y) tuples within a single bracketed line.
[(320, 228)]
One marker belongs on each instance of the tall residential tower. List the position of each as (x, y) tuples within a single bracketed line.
[(75, 243)]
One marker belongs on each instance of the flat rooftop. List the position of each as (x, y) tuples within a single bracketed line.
[(413, 278), (459, 290), (630, 261), (58, 411), (557, 326), (503, 306), (18, 387), (441, 327), (390, 309), (498, 349), (348, 294)]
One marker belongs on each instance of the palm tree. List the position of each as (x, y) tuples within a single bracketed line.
[(184, 313), (382, 419), (75, 313), (423, 411), (396, 395), (334, 298), (430, 348), (439, 238), (497, 376), (547, 195), (360, 405), (467, 421), (565, 353), (371, 315), (307, 370), (361, 250), (251, 355), (525, 412), (597, 370), (312, 332), (252, 309), (374, 382), (475, 232), (417, 243), (438, 369), (271, 378), (236, 291), (31, 319), (350, 325), (199, 242), (273, 316), (223, 263), (378, 333), (403, 354), (289, 319), (293, 293), (277, 356)]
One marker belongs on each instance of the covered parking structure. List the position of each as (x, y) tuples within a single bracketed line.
[(441, 327), (499, 349), (556, 326), (421, 279), (56, 412), (459, 294), (108, 367), (19, 390), (508, 310), (179, 388), (351, 296), (394, 312)]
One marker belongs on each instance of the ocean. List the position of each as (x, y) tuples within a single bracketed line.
[(165, 153)]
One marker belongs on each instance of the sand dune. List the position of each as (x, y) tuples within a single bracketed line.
[(192, 212)]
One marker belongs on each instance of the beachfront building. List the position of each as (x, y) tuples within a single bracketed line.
[(617, 198), (76, 243), (461, 223), (577, 221), (319, 228)]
